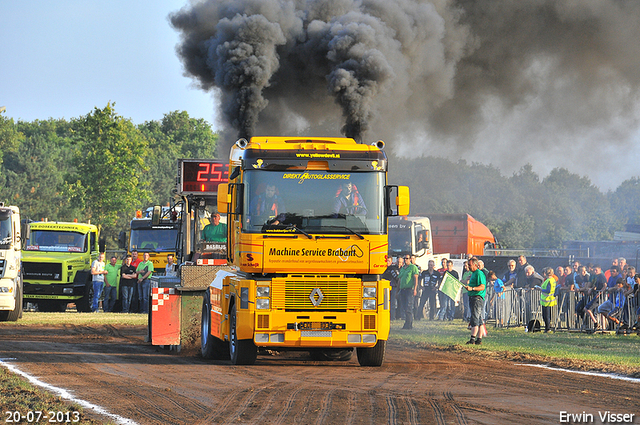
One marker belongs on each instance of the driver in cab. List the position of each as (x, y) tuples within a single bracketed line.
[(268, 204), (348, 201)]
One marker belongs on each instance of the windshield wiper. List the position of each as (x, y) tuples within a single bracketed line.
[(291, 226), (345, 228)]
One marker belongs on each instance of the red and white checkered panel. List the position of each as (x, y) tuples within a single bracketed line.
[(159, 296), (165, 316)]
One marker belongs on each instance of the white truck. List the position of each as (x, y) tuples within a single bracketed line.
[(10, 264), (412, 236)]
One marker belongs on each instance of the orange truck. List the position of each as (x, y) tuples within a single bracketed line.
[(438, 236), (460, 234)]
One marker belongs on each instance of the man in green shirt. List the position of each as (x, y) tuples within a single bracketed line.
[(215, 231), (111, 281), (144, 271), (477, 288), (408, 279)]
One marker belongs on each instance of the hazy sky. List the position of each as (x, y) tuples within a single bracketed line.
[(61, 59)]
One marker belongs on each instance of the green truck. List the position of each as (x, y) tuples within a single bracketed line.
[(56, 265)]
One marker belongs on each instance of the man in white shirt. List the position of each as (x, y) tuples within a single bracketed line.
[(97, 273)]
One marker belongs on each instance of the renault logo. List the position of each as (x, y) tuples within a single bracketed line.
[(316, 297)]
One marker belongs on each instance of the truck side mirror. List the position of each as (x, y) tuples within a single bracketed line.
[(26, 231), (102, 245), (424, 240), (17, 231), (156, 215), (401, 206), (403, 200), (122, 240), (224, 198), (239, 188)]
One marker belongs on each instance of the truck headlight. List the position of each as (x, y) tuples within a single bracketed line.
[(262, 304), (368, 304), (369, 292), (263, 291)]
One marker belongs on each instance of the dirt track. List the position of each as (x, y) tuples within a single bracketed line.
[(114, 368)]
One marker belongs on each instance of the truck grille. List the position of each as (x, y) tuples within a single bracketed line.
[(2, 266), (328, 292), (42, 271)]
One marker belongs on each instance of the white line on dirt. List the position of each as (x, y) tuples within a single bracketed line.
[(61, 392), (582, 372)]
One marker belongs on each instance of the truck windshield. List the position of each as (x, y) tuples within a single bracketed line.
[(154, 240), (314, 202), (56, 241), (5, 229), (399, 238)]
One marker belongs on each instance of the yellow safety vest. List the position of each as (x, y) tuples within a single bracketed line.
[(548, 300)]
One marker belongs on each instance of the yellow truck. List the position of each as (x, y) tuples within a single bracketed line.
[(56, 263), (307, 244), (10, 269), (155, 231)]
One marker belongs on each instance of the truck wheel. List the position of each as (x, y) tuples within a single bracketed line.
[(373, 356), (331, 354), (83, 305), (15, 314), (210, 346), (241, 351)]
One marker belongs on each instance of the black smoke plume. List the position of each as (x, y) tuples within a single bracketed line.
[(486, 80)]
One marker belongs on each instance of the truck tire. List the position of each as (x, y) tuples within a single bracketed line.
[(210, 346), (241, 351), (373, 356), (16, 313), (83, 305), (331, 354)]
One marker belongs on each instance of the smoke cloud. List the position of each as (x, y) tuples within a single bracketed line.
[(507, 82)]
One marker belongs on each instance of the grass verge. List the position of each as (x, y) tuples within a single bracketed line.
[(78, 319), (597, 352), (20, 397)]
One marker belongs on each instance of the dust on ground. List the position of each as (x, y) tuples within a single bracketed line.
[(112, 366)]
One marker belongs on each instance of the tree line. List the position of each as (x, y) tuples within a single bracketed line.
[(99, 167), (102, 167), (522, 210)]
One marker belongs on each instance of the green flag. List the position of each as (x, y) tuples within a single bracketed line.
[(451, 287)]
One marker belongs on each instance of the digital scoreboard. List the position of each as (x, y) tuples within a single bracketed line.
[(201, 176)]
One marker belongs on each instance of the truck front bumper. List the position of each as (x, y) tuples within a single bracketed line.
[(7, 302), (53, 291), (326, 329)]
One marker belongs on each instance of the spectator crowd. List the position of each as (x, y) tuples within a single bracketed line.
[(577, 296)]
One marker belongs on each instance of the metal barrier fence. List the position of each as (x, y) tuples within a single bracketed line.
[(574, 311)]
